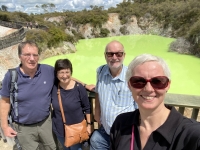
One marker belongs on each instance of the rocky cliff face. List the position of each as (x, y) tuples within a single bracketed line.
[(143, 25), (8, 59), (113, 25)]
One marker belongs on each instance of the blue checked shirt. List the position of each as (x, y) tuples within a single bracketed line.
[(114, 96)]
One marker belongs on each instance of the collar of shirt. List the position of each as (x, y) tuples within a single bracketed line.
[(26, 76), (169, 127), (119, 77)]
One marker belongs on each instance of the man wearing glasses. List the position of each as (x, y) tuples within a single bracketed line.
[(31, 118), (112, 95)]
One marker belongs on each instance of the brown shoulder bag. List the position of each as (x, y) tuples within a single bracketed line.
[(75, 133)]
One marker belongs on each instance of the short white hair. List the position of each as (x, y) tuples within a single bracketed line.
[(146, 58)]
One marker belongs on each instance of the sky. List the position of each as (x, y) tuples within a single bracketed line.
[(29, 6)]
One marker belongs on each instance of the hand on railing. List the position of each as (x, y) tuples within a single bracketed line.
[(90, 87)]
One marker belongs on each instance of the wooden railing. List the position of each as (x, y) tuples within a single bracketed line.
[(181, 102), (184, 103), (188, 105), (17, 36), (13, 38)]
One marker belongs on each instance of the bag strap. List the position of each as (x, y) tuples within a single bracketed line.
[(132, 139), (13, 101), (14, 90), (60, 104), (100, 70), (77, 85)]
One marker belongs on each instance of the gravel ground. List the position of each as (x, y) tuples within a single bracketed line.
[(5, 146)]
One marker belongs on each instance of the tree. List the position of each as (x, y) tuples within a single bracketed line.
[(38, 7), (45, 6), (4, 8), (51, 6)]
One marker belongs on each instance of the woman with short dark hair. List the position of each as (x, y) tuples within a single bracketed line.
[(74, 100)]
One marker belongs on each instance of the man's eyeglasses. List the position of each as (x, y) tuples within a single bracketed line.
[(29, 55), (159, 82), (118, 54)]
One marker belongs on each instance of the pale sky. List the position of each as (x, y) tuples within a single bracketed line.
[(28, 6)]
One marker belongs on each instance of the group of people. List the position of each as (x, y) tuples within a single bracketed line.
[(30, 24), (129, 104)]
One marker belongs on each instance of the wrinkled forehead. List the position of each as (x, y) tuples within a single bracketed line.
[(29, 47), (114, 47)]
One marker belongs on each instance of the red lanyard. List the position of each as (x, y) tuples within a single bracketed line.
[(132, 139)]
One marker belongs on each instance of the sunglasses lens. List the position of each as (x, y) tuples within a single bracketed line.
[(118, 54), (138, 82), (160, 82), (109, 54)]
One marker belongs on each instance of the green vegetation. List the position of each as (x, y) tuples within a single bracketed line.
[(3, 8), (47, 7), (104, 32), (181, 15), (96, 16), (4, 16), (41, 37), (124, 30)]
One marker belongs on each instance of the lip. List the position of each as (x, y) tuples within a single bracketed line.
[(113, 62), (148, 98), (32, 64)]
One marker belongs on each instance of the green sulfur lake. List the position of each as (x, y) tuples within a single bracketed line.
[(185, 69)]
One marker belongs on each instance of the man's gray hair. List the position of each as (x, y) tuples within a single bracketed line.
[(23, 44), (146, 58)]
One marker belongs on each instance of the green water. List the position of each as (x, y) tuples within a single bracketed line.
[(185, 69)]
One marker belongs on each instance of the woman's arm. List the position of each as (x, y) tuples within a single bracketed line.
[(89, 123), (89, 87), (86, 107)]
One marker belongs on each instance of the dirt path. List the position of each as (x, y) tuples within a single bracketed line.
[(5, 31)]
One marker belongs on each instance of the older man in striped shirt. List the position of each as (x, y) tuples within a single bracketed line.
[(113, 96)]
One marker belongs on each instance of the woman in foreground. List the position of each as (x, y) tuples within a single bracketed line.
[(154, 126)]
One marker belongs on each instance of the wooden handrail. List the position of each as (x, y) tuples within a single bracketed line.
[(180, 101), (184, 101)]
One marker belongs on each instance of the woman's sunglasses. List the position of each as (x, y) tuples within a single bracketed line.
[(159, 82)]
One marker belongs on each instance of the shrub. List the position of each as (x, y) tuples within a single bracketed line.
[(104, 32), (39, 36), (4, 17), (181, 46), (124, 30), (56, 36), (113, 31)]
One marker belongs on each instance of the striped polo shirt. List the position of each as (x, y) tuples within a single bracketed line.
[(114, 95)]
